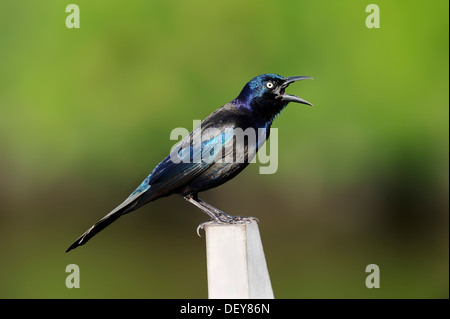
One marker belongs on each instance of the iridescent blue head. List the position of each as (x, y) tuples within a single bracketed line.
[(265, 95)]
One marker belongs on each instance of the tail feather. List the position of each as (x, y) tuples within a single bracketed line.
[(127, 206)]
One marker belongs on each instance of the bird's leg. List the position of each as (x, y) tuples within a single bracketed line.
[(228, 218), (193, 199), (222, 215), (217, 216)]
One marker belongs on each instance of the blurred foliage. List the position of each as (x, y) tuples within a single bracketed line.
[(85, 115)]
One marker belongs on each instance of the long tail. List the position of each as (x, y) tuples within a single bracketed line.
[(127, 206)]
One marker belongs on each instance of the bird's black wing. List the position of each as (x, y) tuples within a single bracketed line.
[(182, 165), (190, 158)]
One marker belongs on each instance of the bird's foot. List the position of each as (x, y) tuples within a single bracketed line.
[(242, 219), (227, 219)]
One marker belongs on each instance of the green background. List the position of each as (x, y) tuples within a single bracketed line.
[(85, 115)]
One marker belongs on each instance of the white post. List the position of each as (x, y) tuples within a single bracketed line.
[(236, 263)]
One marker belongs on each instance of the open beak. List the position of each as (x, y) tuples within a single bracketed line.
[(288, 97)]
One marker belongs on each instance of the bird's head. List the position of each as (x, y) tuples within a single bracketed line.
[(265, 94)]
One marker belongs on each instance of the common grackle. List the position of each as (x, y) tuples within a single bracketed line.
[(212, 153)]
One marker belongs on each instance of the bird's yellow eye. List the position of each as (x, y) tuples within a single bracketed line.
[(269, 85)]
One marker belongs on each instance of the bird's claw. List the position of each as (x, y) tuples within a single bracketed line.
[(227, 220), (202, 225)]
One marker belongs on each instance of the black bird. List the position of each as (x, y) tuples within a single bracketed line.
[(213, 153)]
